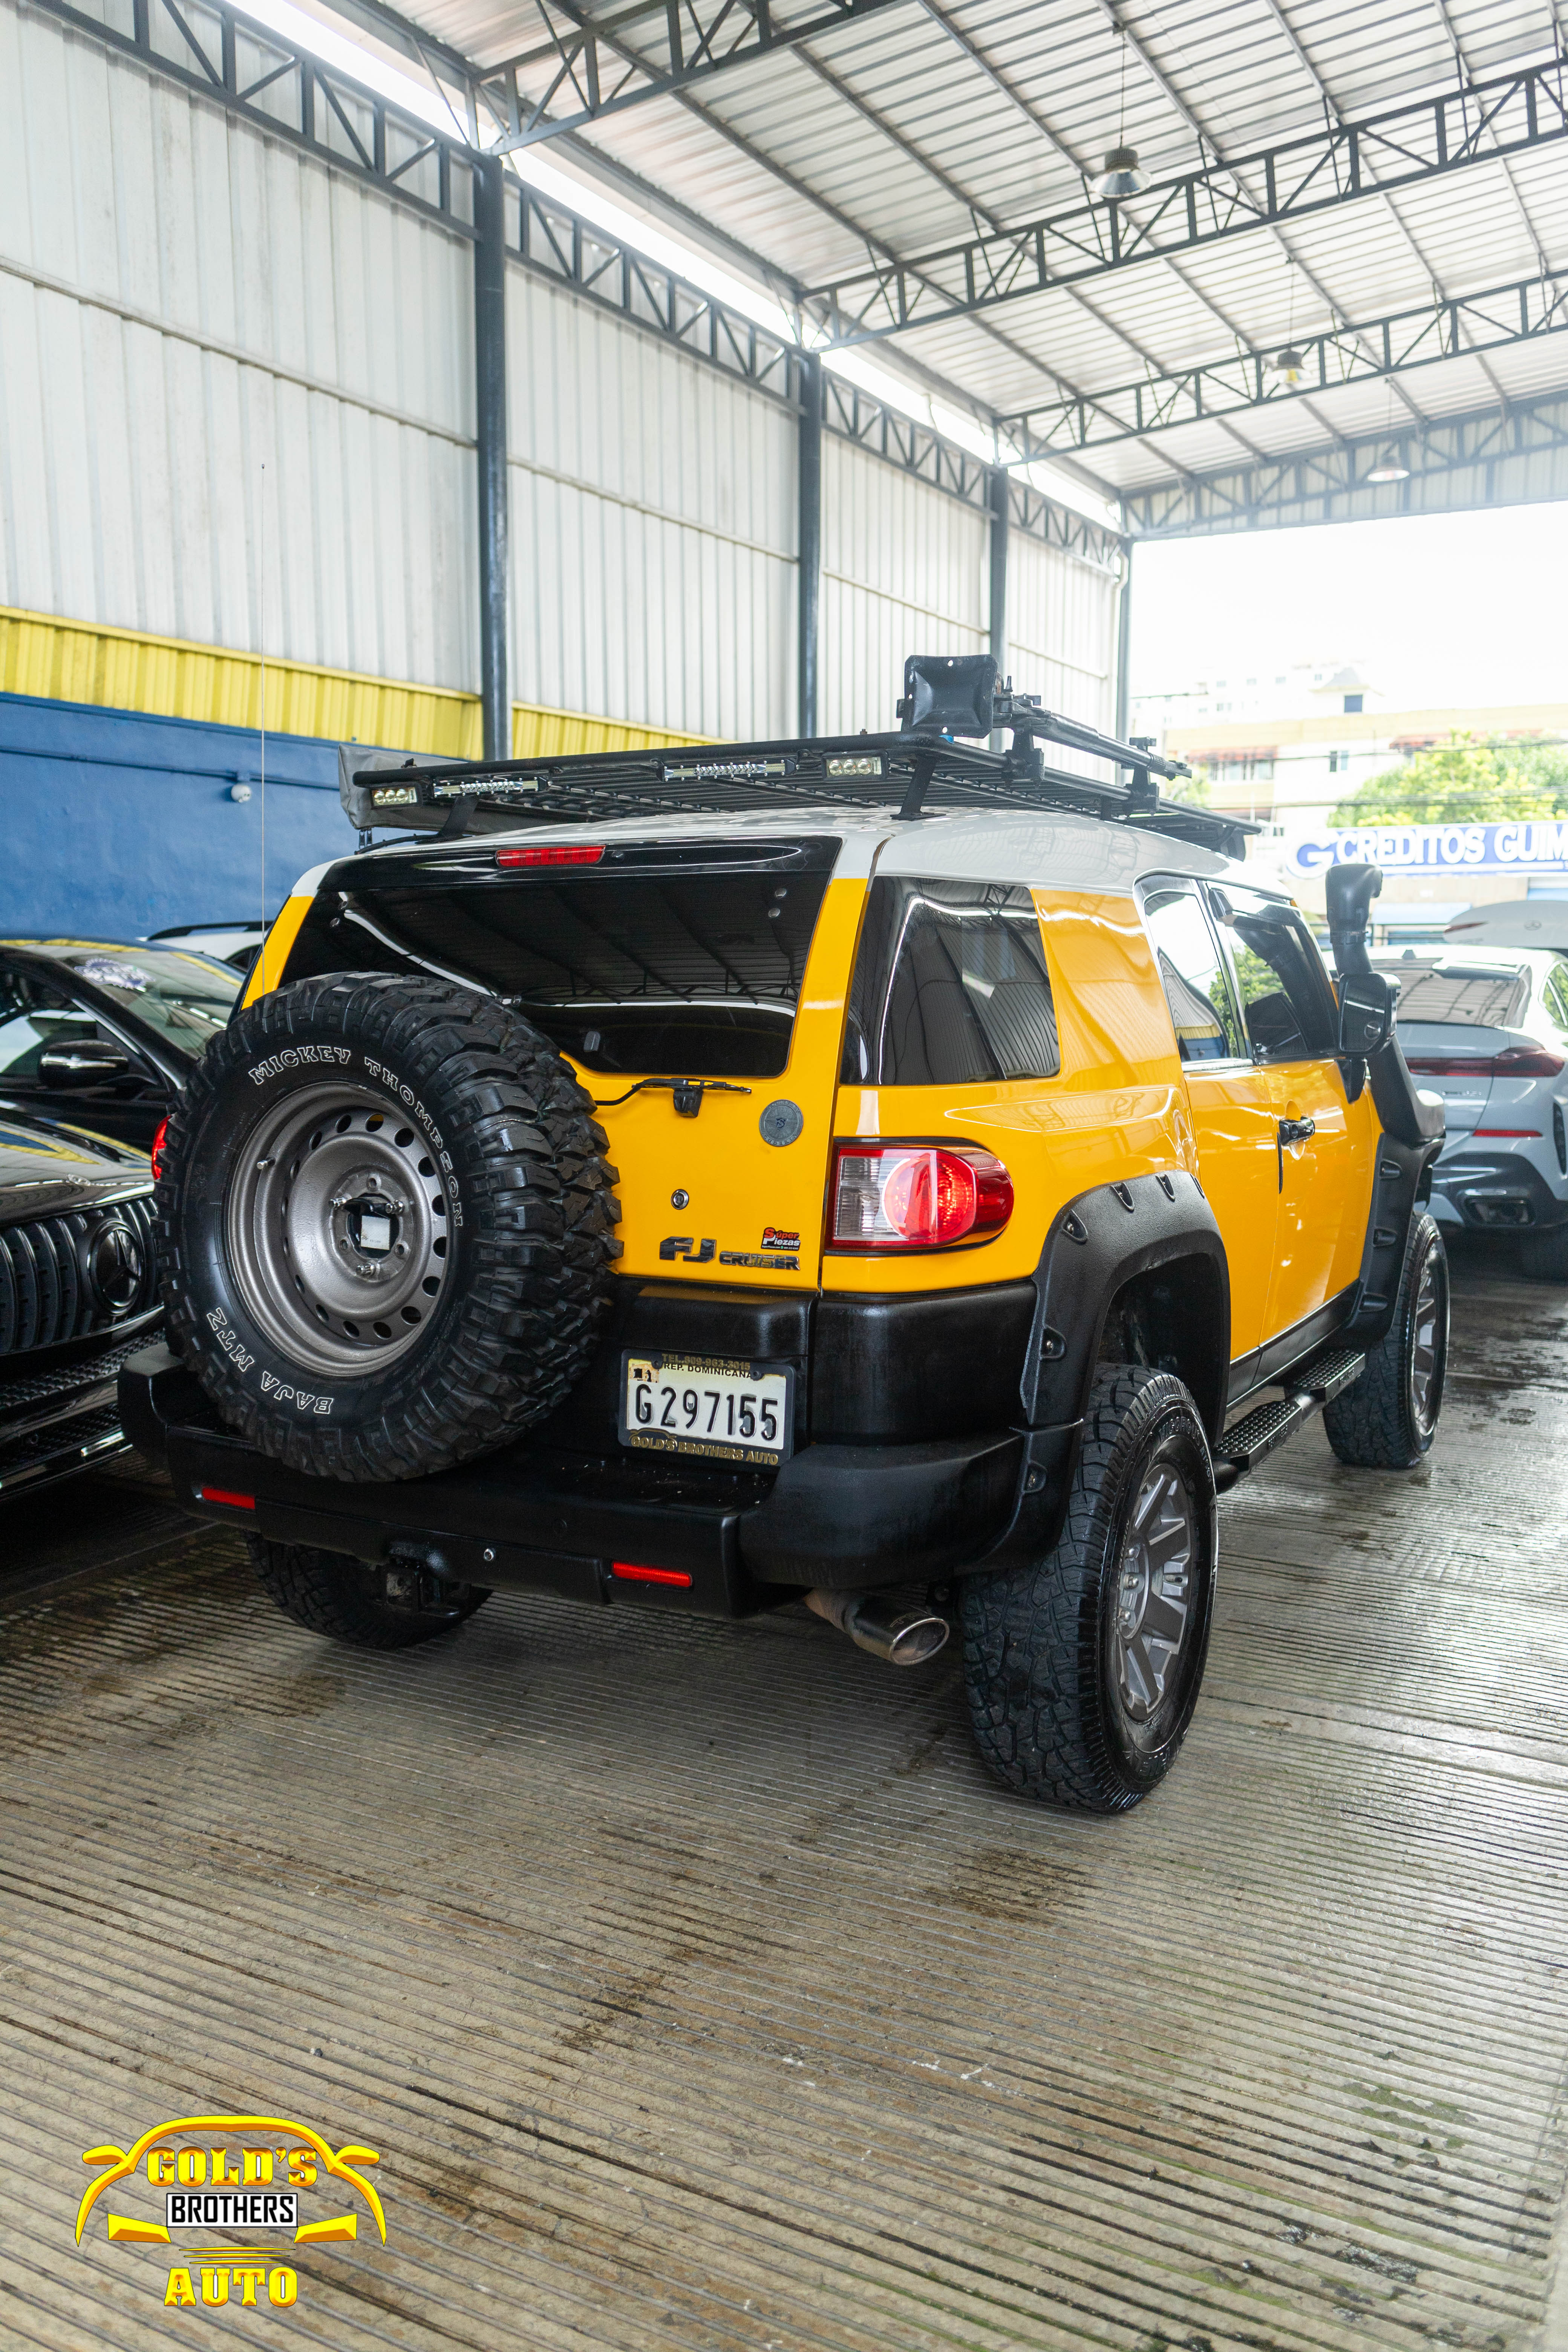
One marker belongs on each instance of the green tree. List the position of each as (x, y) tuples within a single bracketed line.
[(1464, 783)]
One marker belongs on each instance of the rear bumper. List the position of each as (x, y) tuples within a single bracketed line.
[(550, 1518), (1496, 1191)]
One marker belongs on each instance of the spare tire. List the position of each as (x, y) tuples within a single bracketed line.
[(386, 1225)]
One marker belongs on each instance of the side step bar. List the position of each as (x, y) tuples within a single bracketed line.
[(1246, 1443)]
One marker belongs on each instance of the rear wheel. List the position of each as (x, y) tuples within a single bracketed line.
[(371, 1608), (1082, 1671), (1387, 1419)]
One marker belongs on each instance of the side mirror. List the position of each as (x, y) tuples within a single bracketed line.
[(84, 1062), (1366, 1012)]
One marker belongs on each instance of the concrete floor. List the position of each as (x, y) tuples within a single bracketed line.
[(700, 1992)]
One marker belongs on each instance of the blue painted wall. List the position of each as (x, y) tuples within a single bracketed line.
[(114, 824)]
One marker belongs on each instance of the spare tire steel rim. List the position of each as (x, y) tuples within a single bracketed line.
[(1151, 1602), (337, 1230)]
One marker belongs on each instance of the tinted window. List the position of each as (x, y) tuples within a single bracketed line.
[(186, 998), (688, 974), (1466, 996), (1203, 1009), (1555, 996), (32, 1017), (950, 987), (1285, 996)]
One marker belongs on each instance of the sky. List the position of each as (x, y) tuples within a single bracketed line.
[(1435, 610)]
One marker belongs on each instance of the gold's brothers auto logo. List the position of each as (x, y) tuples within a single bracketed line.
[(187, 2184)]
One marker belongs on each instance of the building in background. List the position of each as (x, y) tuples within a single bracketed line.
[(1288, 748)]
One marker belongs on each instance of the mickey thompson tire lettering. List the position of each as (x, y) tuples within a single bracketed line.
[(510, 1167)]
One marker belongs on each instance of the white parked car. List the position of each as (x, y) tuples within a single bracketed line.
[(1487, 1028)]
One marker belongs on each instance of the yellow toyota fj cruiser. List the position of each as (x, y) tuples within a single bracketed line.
[(878, 1170)]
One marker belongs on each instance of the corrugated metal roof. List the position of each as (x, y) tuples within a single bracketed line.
[(926, 124)]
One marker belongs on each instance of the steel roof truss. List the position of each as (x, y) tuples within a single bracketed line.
[(1341, 164), (589, 68), (1367, 353)]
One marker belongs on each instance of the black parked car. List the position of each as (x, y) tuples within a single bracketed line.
[(106, 1032), (78, 1294)]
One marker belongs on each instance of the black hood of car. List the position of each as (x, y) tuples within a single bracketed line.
[(47, 1168)]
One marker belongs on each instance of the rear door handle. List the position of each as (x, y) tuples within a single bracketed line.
[(1290, 1130)]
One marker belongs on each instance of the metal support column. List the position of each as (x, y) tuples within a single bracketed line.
[(999, 496), (1124, 645), (489, 427), (810, 537)]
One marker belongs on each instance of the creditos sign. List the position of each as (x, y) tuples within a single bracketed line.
[(1517, 846)]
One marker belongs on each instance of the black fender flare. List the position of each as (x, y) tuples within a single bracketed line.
[(1101, 1241), (1098, 1243)]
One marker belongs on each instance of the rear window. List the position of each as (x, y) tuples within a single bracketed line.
[(950, 987), (669, 969), (1461, 996)]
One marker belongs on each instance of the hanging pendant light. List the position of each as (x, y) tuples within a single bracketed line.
[(1122, 175), (1290, 364), (1390, 466)]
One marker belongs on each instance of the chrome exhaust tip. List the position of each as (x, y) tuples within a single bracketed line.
[(903, 1637)]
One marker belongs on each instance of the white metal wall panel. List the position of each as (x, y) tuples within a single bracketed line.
[(904, 571), (184, 302), (653, 526), (1061, 630)]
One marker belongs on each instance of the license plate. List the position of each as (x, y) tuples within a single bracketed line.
[(731, 1411)]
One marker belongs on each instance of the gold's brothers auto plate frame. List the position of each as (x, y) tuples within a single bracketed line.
[(728, 1389)]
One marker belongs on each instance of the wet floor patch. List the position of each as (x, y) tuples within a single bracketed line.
[(698, 1991)]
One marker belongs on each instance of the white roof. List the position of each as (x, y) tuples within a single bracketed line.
[(1047, 851)]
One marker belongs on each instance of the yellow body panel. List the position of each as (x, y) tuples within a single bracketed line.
[(738, 1184), (1233, 1121), (268, 968), (1325, 1198), (1118, 1108)]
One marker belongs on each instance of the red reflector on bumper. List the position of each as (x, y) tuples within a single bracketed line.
[(631, 1574), (223, 1494)]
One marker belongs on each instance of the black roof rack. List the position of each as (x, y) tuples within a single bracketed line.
[(921, 770)]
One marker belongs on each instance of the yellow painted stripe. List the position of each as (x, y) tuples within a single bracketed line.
[(165, 677)]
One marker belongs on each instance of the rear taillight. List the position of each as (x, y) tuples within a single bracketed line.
[(1513, 1062), (560, 853), (156, 1154), (890, 1196)]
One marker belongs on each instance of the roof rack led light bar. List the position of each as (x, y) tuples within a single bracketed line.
[(927, 768)]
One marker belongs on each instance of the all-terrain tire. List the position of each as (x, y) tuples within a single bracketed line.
[(1043, 1674), (1544, 1256), (1388, 1418), (484, 1285), (328, 1592)]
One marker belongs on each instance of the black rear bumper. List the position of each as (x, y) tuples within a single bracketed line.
[(547, 1518)]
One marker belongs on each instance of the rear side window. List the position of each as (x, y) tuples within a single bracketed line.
[(951, 988), (1193, 974), (1462, 996)]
